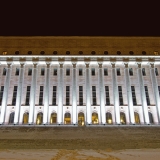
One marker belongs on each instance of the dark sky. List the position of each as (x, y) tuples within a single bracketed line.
[(79, 19)]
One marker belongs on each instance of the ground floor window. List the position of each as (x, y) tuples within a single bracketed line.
[(11, 118), (95, 118), (150, 117), (109, 118), (67, 118), (81, 120), (122, 118), (39, 119), (136, 117), (53, 118), (25, 118)]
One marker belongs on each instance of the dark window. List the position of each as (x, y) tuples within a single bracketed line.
[(120, 95), (42, 71), (11, 117), (118, 72), (94, 95), (55, 72), (133, 96), (4, 71), (29, 71), (147, 95), (143, 72), (80, 95), (41, 96), (156, 71), (80, 72), (67, 72), (1, 94), (17, 72), (159, 90), (93, 71), (130, 71), (105, 71), (14, 95), (67, 94), (107, 95), (28, 95), (54, 95)]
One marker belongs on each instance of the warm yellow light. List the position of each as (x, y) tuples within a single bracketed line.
[(82, 123), (121, 120), (109, 121)]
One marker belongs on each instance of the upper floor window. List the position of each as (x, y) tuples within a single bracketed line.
[(29, 71), (80, 72), (143, 72), (55, 72), (93, 71), (156, 71), (67, 72), (118, 72), (4, 71), (130, 71), (105, 71), (17, 72), (42, 71)]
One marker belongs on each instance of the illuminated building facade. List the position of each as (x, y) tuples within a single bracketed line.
[(79, 80)]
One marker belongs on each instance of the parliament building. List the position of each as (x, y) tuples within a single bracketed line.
[(79, 81)]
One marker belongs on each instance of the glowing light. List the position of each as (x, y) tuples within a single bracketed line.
[(109, 121)]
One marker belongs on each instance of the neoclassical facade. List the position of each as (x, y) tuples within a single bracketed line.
[(79, 80)]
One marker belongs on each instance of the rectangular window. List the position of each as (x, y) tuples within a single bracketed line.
[(55, 72), (93, 71), (118, 72), (80, 72), (105, 72), (120, 95), (14, 95), (130, 71), (42, 71), (54, 95), (80, 95), (28, 95), (17, 72), (4, 71), (67, 94), (1, 94), (156, 71), (107, 95), (147, 95), (41, 96), (143, 72), (159, 90), (29, 71), (133, 96), (67, 72), (94, 95)]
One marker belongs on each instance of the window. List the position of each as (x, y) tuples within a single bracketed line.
[(42, 71), (28, 95), (4, 71), (67, 94), (54, 95), (147, 95), (107, 95), (143, 72), (120, 95), (118, 72), (80, 72), (159, 90), (1, 94), (130, 71), (29, 71), (133, 95), (17, 72), (67, 72), (41, 96), (94, 95), (156, 71), (93, 71), (14, 95), (80, 95), (55, 72), (105, 71)]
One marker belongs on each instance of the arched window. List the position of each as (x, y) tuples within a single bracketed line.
[(25, 118), (95, 118), (136, 117), (108, 118), (53, 118), (150, 117), (11, 117), (39, 119), (67, 118), (81, 120), (122, 118)]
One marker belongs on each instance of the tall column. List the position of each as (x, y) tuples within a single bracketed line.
[(155, 90), (46, 95), (115, 94), (5, 94), (74, 94), (142, 93), (33, 93), (101, 91), (88, 94), (60, 93), (129, 95), (19, 94)]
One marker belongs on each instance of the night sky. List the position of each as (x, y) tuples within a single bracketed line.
[(79, 19)]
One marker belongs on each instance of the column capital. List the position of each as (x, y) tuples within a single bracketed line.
[(61, 65), (74, 65), (22, 65), (35, 65), (9, 65), (151, 65), (100, 64), (113, 65), (126, 65), (87, 65), (48, 64), (139, 65)]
